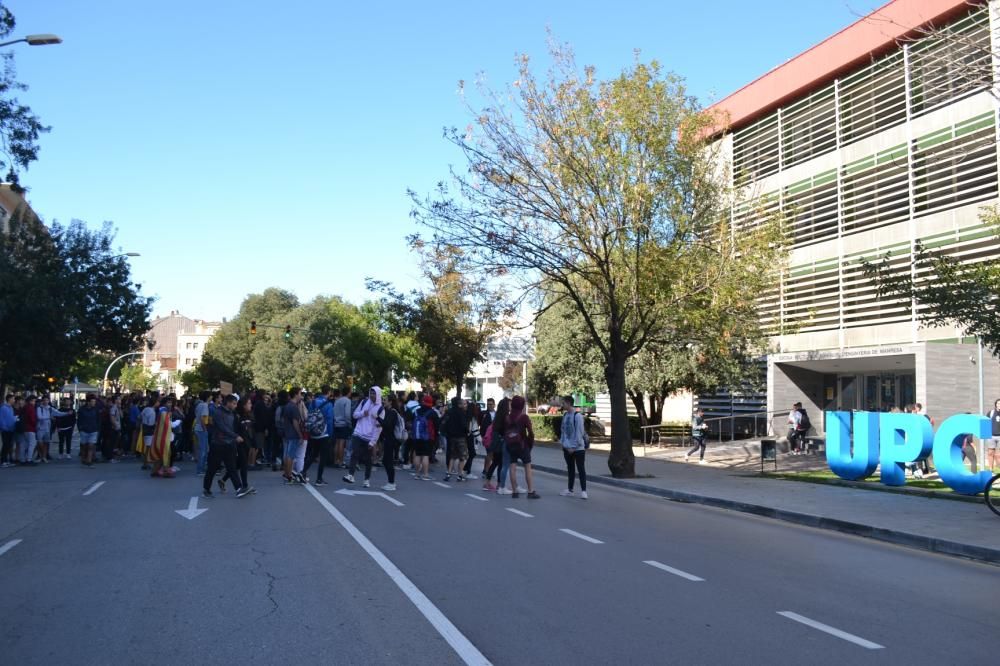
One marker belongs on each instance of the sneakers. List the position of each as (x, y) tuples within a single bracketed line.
[(472, 477), (461, 477), (503, 491), (207, 494), (701, 462), (583, 494), (534, 495), (290, 481), (319, 482), (515, 494), (447, 477), (426, 477), (243, 492), (389, 486), (366, 484), (567, 493), (407, 466), (488, 487), (348, 478)]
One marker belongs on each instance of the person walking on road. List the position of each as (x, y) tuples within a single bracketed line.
[(455, 431), (519, 437), (370, 415), (426, 425), (698, 431), (342, 424), (88, 422), (222, 448), (573, 438), (65, 422), (393, 428), (29, 431), (8, 423), (321, 420), (295, 435), (244, 428)]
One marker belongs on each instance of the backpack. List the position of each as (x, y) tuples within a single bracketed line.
[(488, 437), (804, 423), (513, 436), (316, 423), (423, 428), (399, 429)]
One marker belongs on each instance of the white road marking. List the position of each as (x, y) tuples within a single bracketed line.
[(347, 491), (466, 651), (7, 546), (521, 513), (833, 631), (581, 536), (476, 497), (443, 485), (93, 488), (676, 572), (192, 511)]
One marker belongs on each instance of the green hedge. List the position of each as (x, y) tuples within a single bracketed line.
[(547, 427)]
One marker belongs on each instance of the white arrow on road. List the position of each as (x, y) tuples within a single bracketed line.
[(192, 511), (345, 491)]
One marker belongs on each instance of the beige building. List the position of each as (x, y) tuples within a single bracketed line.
[(178, 343)]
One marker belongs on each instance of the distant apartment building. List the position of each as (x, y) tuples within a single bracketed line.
[(12, 202), (882, 135), (178, 343)]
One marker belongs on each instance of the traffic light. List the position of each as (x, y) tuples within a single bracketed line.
[(253, 328), (288, 332)]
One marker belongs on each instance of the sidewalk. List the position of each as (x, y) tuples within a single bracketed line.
[(954, 528)]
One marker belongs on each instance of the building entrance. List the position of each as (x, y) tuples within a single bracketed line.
[(875, 392)]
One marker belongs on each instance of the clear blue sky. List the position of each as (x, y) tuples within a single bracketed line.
[(244, 144)]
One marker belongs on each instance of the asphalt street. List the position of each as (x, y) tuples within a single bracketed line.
[(306, 574)]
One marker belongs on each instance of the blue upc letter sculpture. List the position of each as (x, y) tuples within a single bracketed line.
[(903, 438), (893, 440), (863, 462), (948, 452)]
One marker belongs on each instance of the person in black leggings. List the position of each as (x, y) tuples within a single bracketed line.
[(572, 437), (390, 445)]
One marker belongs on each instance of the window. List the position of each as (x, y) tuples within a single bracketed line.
[(808, 127), (195, 345), (188, 346), (873, 99), (951, 64), (755, 150), (955, 166), (875, 190), (811, 209)]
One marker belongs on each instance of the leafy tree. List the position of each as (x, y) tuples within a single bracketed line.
[(946, 289), (136, 377), (453, 321), (20, 128), (608, 192), (79, 301)]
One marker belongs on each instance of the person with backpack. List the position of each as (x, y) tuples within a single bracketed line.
[(426, 424), (573, 438), (802, 427), (455, 431), (370, 416), (519, 437), (319, 424), (393, 434), (294, 432), (698, 431)]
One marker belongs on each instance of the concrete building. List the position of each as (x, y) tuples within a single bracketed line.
[(178, 345), (880, 136)]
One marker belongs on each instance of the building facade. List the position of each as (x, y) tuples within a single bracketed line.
[(883, 135), (178, 344)]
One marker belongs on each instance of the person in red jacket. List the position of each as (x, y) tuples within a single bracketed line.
[(29, 440)]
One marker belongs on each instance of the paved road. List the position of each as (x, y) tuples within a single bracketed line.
[(295, 573)]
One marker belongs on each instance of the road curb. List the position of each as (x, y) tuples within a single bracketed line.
[(899, 538)]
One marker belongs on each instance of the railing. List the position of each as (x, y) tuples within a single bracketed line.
[(762, 425)]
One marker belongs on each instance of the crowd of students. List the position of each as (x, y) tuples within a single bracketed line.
[(290, 431)]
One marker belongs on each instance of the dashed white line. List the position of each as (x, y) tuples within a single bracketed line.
[(521, 513), (459, 643), (7, 546), (476, 497), (441, 485), (581, 536), (93, 488), (833, 631), (676, 572)]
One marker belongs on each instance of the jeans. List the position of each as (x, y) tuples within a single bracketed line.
[(699, 443), (389, 458), (26, 447), (361, 453), (6, 454), (576, 461), (220, 455), (202, 436), (504, 466), (319, 449)]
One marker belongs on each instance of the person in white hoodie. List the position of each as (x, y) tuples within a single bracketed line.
[(369, 415)]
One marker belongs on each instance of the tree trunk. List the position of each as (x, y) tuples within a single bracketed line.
[(640, 405), (459, 385), (621, 462), (656, 408)]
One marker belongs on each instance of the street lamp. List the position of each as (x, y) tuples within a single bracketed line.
[(126, 254), (36, 40)]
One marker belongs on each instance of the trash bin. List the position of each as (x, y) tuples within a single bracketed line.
[(768, 452)]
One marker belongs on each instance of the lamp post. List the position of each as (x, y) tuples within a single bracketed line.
[(35, 40), (104, 384), (125, 254)]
